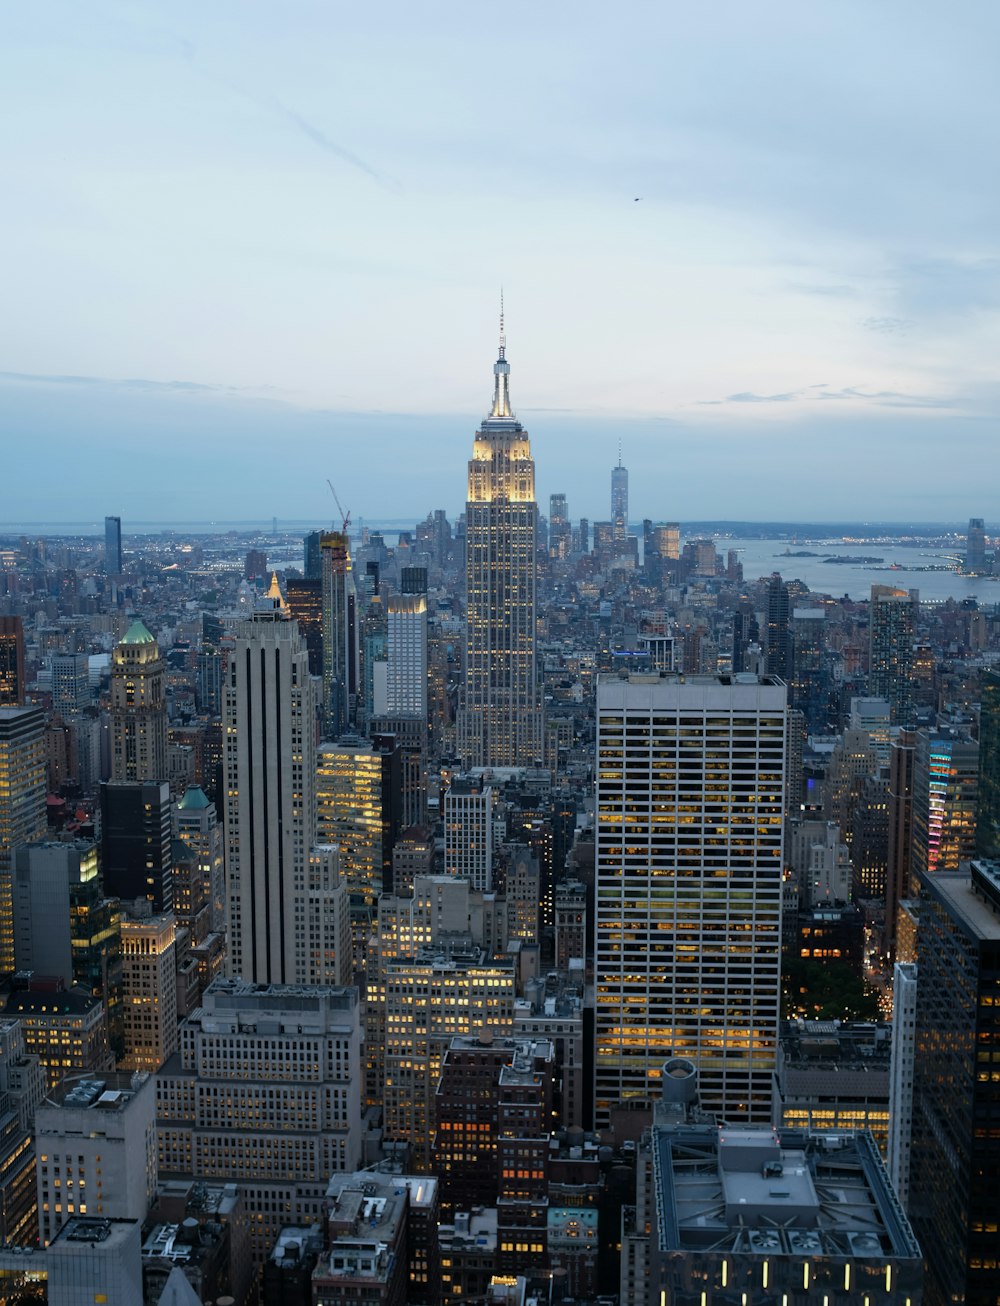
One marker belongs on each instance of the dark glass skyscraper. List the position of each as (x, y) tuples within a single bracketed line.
[(113, 545), (988, 809), (11, 662), (135, 842), (779, 640), (975, 547), (955, 1158)]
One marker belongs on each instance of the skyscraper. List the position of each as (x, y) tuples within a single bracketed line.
[(975, 547), (406, 663), (135, 841), (890, 662), (70, 682), (138, 708), (619, 499), (22, 804), (270, 786), (988, 813), (559, 527), (900, 852), (11, 662), (955, 1153), (779, 639), (468, 832), (690, 796), (945, 797), (113, 546), (500, 722), (305, 605), (340, 634)]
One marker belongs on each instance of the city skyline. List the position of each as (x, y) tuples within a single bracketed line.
[(326, 259)]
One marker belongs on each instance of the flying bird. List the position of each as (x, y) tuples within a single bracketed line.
[(637, 199)]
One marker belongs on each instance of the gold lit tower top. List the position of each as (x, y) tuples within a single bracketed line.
[(501, 469)]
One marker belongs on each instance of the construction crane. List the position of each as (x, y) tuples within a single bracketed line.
[(345, 517)]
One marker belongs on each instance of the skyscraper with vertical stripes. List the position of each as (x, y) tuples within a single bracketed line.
[(500, 721), (287, 901)]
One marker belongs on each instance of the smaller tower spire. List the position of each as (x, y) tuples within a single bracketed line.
[(503, 334)]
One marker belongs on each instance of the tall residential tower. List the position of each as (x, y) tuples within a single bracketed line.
[(500, 723)]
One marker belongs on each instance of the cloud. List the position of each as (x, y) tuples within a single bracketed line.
[(188, 51), (822, 392), (887, 326), (129, 383), (320, 138), (748, 397)]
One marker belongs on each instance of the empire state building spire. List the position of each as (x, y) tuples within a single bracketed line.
[(501, 375), (500, 716)]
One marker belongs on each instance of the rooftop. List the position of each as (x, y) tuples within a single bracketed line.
[(110, 1092), (970, 900)]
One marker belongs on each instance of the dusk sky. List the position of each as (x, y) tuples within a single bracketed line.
[(249, 245)]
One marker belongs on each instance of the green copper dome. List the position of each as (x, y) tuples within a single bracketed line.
[(194, 800), (138, 634)]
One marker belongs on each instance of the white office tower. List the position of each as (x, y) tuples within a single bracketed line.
[(872, 715), (95, 1139), (690, 791), (277, 933), (821, 862), (468, 832), (404, 693), (904, 1046), (500, 718), (265, 1092)]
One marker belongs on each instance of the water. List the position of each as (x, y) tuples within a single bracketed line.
[(762, 557)]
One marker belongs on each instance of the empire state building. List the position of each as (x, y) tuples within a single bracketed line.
[(500, 722)]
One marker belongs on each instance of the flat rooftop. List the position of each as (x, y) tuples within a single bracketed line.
[(967, 902), (775, 1192)]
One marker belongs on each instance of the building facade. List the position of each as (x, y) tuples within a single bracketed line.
[(265, 1091), (22, 804), (690, 796), (96, 1145), (954, 1200), (891, 655)]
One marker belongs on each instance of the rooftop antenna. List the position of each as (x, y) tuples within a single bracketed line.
[(503, 336)]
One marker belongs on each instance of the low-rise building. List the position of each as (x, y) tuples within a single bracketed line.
[(833, 1075), (67, 1029), (366, 1233), (96, 1146)]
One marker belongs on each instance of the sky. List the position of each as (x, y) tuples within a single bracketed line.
[(250, 246)]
